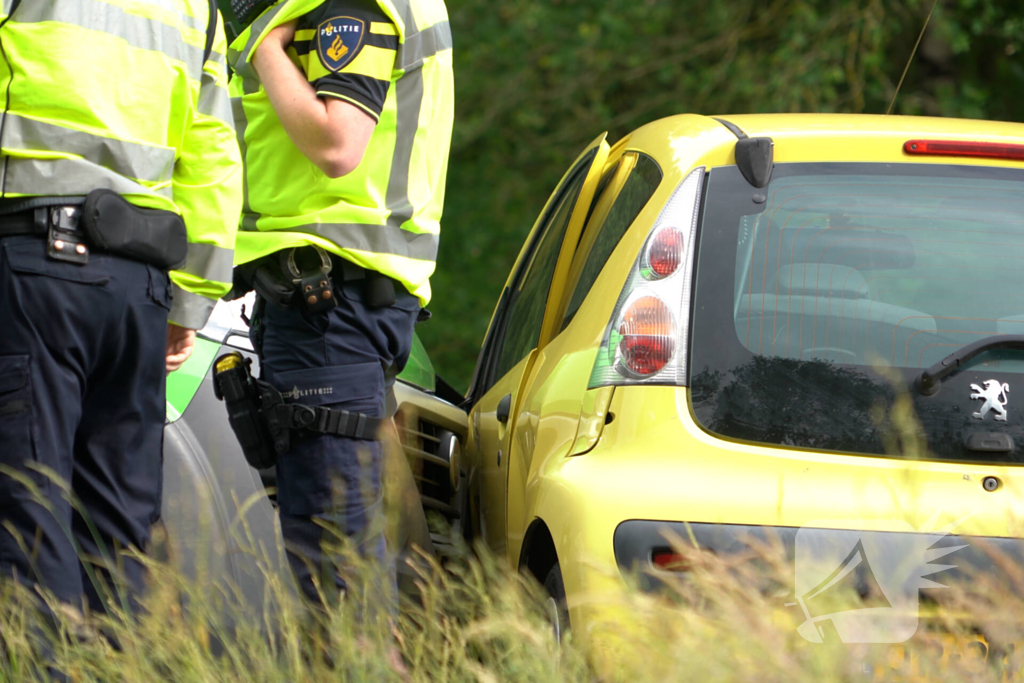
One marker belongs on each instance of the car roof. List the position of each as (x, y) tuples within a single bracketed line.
[(684, 141), (768, 124)]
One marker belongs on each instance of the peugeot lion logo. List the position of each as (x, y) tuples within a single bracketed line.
[(994, 394)]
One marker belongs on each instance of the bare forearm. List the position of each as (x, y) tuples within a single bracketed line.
[(303, 115)]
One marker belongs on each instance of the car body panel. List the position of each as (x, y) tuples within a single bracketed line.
[(654, 462), (183, 383), (582, 461)]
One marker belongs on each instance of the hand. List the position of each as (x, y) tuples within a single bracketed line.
[(180, 342), (279, 38)]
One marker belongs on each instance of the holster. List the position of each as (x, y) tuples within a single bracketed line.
[(152, 236), (262, 421), (249, 403)]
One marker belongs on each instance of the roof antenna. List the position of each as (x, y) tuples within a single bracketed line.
[(914, 52)]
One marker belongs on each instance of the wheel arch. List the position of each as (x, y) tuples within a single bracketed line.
[(539, 554)]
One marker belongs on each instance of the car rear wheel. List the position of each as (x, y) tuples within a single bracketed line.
[(558, 612)]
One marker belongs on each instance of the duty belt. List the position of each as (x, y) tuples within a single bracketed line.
[(55, 218), (103, 220)]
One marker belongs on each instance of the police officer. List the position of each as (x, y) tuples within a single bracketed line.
[(119, 162), (344, 110)]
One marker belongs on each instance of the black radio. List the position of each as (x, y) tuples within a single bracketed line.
[(238, 14)]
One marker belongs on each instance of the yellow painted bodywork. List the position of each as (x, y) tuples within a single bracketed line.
[(581, 477)]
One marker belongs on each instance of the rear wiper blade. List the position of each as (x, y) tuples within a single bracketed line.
[(930, 381)]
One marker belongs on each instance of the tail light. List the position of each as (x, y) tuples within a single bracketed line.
[(648, 336), (669, 561), (664, 254)]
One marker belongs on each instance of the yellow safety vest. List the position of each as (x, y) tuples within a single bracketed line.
[(116, 96), (386, 214)]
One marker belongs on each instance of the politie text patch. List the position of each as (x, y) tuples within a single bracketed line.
[(338, 41)]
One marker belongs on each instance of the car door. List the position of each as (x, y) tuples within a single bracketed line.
[(522, 318), (557, 414)]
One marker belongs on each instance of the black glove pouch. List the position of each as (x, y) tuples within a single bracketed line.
[(378, 290), (152, 236)]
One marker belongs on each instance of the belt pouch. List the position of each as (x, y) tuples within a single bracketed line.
[(378, 290), (152, 236)]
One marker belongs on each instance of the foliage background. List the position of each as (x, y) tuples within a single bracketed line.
[(538, 79)]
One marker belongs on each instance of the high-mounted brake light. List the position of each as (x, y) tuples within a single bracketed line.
[(955, 148), (648, 334)]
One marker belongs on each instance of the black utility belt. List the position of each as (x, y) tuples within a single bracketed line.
[(303, 278), (104, 221)]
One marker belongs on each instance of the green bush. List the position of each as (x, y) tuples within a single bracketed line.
[(536, 81)]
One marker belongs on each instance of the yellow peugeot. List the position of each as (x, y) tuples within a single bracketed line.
[(710, 321)]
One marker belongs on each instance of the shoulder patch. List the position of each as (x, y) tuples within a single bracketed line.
[(338, 41)]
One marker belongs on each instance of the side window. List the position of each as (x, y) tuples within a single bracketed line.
[(643, 180), (524, 313)]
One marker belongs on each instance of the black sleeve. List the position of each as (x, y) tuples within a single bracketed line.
[(350, 48)]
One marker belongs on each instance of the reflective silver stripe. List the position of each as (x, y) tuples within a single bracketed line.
[(423, 45), (409, 100), (240, 60), (94, 15), (409, 96), (216, 58), (130, 159), (197, 23), (190, 310), (214, 100), (377, 239), (241, 123), (68, 176), (209, 262)]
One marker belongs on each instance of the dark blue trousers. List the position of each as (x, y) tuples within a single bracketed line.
[(329, 487), (81, 395)]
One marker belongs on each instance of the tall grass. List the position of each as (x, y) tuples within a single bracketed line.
[(723, 619)]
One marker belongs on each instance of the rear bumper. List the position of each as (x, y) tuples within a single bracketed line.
[(635, 542)]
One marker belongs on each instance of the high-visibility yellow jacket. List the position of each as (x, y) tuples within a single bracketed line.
[(386, 214), (116, 95)]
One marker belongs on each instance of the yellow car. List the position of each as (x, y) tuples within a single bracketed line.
[(709, 325)]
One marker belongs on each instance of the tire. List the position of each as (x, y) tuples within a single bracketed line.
[(558, 611), (464, 525)]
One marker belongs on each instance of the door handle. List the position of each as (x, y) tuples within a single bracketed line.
[(504, 408)]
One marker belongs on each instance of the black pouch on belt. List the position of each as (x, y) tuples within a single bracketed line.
[(152, 236)]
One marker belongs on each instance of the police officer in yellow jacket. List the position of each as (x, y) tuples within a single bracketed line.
[(344, 110), (120, 190)]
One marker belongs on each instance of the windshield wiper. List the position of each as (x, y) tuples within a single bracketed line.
[(930, 381)]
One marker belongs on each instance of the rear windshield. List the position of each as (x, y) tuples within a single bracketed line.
[(820, 295)]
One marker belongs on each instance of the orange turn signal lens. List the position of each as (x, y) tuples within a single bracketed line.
[(648, 336)]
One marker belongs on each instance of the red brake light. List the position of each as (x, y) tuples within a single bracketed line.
[(954, 148), (666, 560), (664, 253), (648, 336)]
